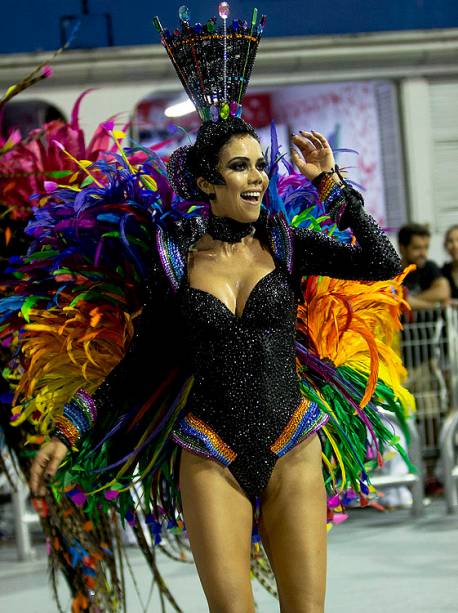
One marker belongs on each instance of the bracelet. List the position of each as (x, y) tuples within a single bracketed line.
[(329, 173), (77, 419), (64, 437), (66, 432), (336, 171), (331, 194), (328, 189)]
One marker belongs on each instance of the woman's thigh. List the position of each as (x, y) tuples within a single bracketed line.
[(218, 518), (293, 528)]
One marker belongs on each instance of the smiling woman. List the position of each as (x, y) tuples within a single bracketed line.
[(219, 398), (246, 435), (230, 270), (243, 169)]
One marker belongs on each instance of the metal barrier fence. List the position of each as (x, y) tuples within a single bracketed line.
[(394, 478), (430, 354), (449, 461)]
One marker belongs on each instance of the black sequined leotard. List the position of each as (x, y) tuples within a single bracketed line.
[(245, 409), (245, 389)]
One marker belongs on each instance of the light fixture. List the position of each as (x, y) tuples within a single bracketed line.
[(180, 109)]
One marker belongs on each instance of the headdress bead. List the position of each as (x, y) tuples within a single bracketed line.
[(184, 13), (224, 10)]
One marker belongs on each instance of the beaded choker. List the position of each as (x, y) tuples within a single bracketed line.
[(228, 230)]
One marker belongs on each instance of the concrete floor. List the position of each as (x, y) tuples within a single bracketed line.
[(378, 563)]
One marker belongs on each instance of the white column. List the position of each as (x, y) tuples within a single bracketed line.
[(22, 522), (417, 131)]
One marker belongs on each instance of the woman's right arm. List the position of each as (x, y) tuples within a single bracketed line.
[(128, 381)]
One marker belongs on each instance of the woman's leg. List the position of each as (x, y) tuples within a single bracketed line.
[(293, 528), (218, 519)]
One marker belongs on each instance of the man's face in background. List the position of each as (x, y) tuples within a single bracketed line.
[(416, 252)]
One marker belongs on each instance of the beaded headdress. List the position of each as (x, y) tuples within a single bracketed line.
[(214, 62)]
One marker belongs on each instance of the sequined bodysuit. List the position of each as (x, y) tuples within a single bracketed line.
[(246, 390), (245, 409)]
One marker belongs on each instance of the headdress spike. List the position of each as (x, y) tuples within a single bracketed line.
[(213, 62), (157, 24), (254, 18), (224, 10), (246, 68)]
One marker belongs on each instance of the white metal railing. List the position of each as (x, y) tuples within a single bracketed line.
[(412, 480), (449, 460), (430, 353), (23, 522), (23, 518)]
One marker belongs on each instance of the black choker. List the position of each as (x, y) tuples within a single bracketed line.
[(228, 230)]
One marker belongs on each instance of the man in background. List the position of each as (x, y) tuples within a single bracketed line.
[(426, 285)]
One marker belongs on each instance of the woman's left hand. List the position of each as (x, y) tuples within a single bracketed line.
[(315, 155)]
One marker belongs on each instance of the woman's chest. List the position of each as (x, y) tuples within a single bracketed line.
[(270, 308), (230, 279)]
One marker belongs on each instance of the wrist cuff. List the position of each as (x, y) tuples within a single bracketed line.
[(332, 196), (340, 201), (63, 434), (77, 419)]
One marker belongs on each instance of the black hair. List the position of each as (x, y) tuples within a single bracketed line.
[(189, 163), (211, 138), (406, 233)]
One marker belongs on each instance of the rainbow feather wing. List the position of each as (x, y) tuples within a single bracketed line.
[(345, 335), (77, 292), (345, 356)]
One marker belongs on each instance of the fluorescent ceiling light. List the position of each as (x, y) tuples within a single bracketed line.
[(180, 109)]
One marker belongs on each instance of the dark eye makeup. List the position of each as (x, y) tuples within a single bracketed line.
[(241, 164)]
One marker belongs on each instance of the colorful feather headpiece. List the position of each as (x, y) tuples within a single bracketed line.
[(214, 62)]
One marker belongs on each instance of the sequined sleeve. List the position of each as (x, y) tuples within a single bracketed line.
[(372, 258), (77, 419), (128, 382)]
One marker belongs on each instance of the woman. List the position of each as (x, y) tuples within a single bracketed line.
[(222, 388), (236, 305), (450, 269)]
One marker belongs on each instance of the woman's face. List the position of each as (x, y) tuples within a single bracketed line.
[(242, 166), (451, 244)]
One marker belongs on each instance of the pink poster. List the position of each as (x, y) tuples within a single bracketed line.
[(346, 113)]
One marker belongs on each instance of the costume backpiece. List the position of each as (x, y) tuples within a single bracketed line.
[(127, 363)]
